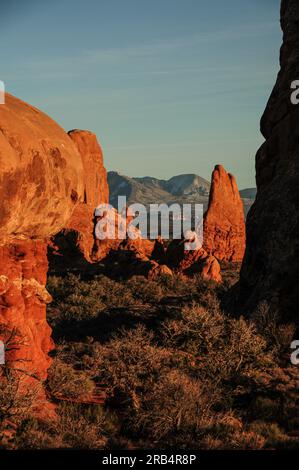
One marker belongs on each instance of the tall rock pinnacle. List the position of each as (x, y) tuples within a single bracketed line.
[(224, 225)]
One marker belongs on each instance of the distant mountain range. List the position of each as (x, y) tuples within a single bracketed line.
[(181, 189)]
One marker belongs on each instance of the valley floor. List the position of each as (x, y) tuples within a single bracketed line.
[(158, 364)]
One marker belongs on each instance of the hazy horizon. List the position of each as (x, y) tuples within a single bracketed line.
[(169, 87)]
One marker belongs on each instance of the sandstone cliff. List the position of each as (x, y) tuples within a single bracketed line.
[(224, 224), (271, 270), (73, 246), (40, 185)]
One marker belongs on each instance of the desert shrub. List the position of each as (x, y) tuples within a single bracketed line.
[(265, 408), (76, 427), (76, 299), (273, 435), (168, 403), (225, 346), (17, 395), (144, 289), (243, 347), (278, 336), (16, 404), (13, 403), (227, 432), (178, 284), (78, 430), (129, 364), (64, 380), (223, 350), (156, 397), (175, 405), (195, 330), (196, 287)]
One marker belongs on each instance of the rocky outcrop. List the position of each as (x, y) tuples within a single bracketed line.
[(73, 246), (192, 261), (130, 260), (40, 173), (95, 176), (40, 185), (271, 270), (224, 224), (23, 266)]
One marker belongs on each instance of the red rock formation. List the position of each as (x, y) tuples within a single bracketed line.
[(224, 225), (157, 270), (270, 271), (23, 296), (40, 185), (95, 176), (40, 173), (193, 261), (73, 246)]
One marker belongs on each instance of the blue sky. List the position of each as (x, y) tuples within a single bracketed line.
[(169, 86)]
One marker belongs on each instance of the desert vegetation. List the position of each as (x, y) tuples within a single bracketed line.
[(174, 370)]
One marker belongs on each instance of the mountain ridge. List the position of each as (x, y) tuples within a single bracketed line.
[(181, 189)]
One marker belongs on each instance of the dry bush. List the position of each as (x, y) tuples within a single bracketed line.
[(195, 331), (64, 380), (17, 399), (16, 404), (265, 408), (77, 300), (227, 432), (144, 289), (129, 364), (278, 336), (224, 346), (76, 428), (243, 348), (176, 404), (273, 435)]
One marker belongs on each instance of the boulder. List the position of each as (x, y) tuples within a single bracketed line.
[(157, 270)]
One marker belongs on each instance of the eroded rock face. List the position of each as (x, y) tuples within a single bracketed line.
[(271, 270), (95, 176), (40, 185), (195, 261), (40, 173), (73, 246), (23, 297), (224, 224)]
